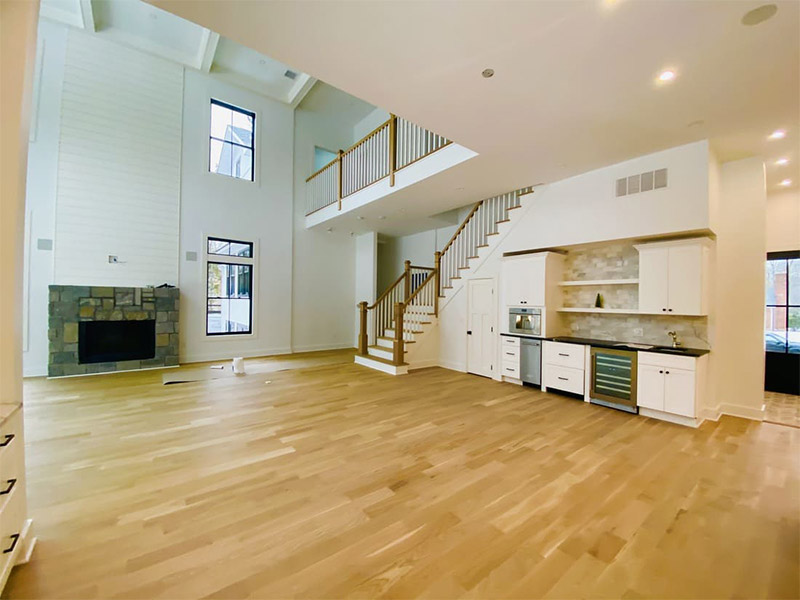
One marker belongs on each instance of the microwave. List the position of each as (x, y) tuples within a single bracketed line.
[(525, 321)]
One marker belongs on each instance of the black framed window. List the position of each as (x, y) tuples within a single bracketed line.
[(231, 144), (229, 286), (782, 315)]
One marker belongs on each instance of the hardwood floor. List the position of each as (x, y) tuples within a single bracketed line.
[(338, 481), (783, 409)]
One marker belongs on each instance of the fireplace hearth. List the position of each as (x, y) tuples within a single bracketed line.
[(100, 329)]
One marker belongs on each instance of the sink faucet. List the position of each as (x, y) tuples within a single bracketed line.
[(675, 341)]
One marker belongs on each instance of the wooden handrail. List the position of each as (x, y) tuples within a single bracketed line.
[(461, 227), (309, 178), (419, 287), (368, 136), (423, 268), (386, 293)]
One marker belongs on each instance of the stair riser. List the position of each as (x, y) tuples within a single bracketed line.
[(387, 354)]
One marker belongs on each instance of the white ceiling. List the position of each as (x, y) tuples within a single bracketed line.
[(150, 29), (574, 86)]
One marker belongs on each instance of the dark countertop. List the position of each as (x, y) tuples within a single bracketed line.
[(681, 351)]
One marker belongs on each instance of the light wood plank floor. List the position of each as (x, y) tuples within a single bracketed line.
[(339, 481)]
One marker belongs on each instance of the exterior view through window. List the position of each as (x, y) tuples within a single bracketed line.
[(229, 298), (782, 326), (232, 141)]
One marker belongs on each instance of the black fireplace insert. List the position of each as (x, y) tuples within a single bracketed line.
[(112, 341)]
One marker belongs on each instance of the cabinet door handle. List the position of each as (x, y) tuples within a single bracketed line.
[(667, 372), (664, 309), (669, 309), (10, 487), (563, 379), (15, 538), (509, 369), (510, 354), (662, 372), (9, 437), (562, 354)]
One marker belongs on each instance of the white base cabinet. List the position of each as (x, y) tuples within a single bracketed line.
[(669, 384), (564, 367), (509, 360), (16, 534)]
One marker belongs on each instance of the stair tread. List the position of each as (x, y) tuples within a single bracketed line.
[(513, 207), (493, 233), (382, 360), (503, 221)]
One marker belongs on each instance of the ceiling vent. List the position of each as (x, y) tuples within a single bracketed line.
[(643, 182), (290, 74)]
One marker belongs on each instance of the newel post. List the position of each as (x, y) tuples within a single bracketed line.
[(392, 148), (399, 350), (437, 264), (339, 182), (407, 280), (363, 340)]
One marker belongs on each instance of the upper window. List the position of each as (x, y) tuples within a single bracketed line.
[(782, 326), (232, 141)]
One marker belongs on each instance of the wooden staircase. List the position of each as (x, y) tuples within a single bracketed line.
[(400, 317)]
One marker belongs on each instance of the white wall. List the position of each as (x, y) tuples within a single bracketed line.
[(783, 221), (118, 167), (418, 248), (583, 209), (41, 193), (17, 55), (324, 262), (369, 123), (258, 211), (736, 329)]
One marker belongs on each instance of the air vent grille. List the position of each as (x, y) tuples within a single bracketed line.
[(643, 182)]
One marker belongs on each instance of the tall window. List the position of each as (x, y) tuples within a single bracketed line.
[(229, 277), (232, 141), (782, 326)]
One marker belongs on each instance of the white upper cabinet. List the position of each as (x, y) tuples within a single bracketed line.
[(524, 280), (673, 277)]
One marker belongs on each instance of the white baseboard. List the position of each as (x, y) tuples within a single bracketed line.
[(321, 347), (453, 366), (213, 356), (745, 412), (664, 416)]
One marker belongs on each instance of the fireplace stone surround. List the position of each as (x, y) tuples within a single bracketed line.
[(71, 304)]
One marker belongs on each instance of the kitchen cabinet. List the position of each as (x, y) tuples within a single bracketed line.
[(564, 367), (673, 277), (668, 383), (510, 359), (524, 281)]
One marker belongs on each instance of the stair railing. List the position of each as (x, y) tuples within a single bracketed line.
[(389, 310), (473, 234), (390, 147)]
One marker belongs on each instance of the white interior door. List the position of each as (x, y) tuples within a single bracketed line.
[(480, 326)]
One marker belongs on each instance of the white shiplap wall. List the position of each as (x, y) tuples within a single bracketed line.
[(119, 166)]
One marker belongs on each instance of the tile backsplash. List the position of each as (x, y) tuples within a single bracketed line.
[(619, 260)]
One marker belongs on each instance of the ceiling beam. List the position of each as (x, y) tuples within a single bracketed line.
[(299, 91), (87, 15), (208, 48)]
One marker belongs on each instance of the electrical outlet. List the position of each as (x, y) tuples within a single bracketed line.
[(113, 259), (638, 331)]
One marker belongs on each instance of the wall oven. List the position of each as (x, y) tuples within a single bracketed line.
[(525, 321)]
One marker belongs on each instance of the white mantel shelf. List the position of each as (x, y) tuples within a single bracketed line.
[(611, 311), (600, 282)]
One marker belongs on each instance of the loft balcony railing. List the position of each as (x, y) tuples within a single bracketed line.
[(390, 147)]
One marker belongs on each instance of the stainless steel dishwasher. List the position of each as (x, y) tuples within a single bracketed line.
[(530, 363)]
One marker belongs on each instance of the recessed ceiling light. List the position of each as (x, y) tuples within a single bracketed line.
[(778, 134), (786, 182), (666, 75), (487, 73), (381, 217), (759, 15), (782, 161), (360, 218)]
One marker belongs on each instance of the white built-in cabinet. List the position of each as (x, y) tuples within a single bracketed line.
[(673, 277), (524, 280), (669, 384)]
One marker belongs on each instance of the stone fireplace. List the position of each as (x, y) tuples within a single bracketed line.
[(71, 305)]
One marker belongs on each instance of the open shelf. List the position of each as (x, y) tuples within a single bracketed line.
[(600, 282), (613, 311)]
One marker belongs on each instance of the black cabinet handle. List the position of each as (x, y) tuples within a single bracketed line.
[(13, 545), (662, 372), (562, 354), (667, 372), (9, 437), (509, 369), (510, 353), (10, 487), (563, 379), (669, 309)]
